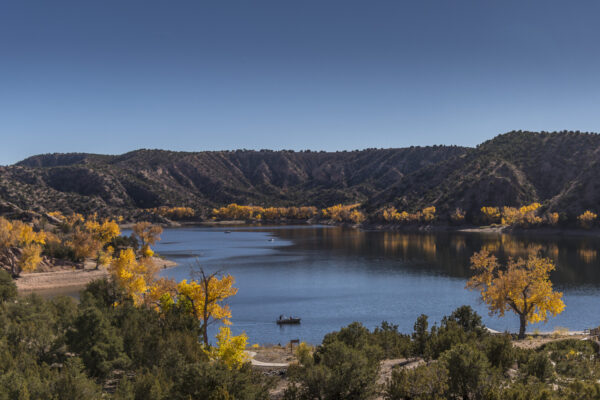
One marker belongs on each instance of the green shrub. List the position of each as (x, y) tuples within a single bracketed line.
[(539, 366), (393, 343), (8, 288), (468, 369), (426, 382), (337, 370)]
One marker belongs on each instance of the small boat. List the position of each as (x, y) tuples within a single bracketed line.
[(271, 240), (287, 321), (227, 231)]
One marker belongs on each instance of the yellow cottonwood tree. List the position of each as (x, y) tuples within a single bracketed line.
[(458, 216), (586, 220), (20, 245), (357, 217), (428, 214), (522, 286), (205, 297), (491, 214), (132, 274), (104, 231), (230, 349), (147, 234)]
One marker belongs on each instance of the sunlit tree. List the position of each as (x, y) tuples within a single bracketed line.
[(205, 296), (229, 348), (522, 286), (586, 220), (491, 214), (20, 246), (133, 275), (148, 235), (428, 214), (458, 216)]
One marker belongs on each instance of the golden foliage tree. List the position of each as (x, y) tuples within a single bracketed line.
[(522, 286), (83, 243), (248, 213), (173, 212), (522, 216), (586, 220), (551, 218), (230, 349), (20, 246), (428, 214), (147, 234), (491, 214), (205, 297), (133, 275), (391, 214), (358, 217), (458, 216)]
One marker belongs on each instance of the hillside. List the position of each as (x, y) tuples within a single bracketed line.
[(560, 170)]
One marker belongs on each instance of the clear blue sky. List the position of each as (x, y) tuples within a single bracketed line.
[(113, 76)]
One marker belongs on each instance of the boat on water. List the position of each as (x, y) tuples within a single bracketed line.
[(287, 321)]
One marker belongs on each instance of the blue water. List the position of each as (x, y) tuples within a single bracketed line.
[(332, 276)]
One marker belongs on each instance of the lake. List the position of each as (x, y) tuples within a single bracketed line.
[(332, 276)]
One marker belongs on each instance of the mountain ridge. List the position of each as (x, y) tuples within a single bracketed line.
[(558, 169)]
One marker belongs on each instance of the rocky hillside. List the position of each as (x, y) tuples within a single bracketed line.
[(560, 170)]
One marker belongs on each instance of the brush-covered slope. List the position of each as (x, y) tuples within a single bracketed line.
[(560, 170), (150, 178)]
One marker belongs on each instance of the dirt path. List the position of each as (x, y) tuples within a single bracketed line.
[(257, 363)]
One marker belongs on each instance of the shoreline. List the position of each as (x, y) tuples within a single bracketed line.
[(70, 279), (508, 230)]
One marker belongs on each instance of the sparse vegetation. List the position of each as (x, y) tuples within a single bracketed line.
[(506, 173)]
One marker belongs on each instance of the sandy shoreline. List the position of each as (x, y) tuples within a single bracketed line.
[(70, 279)]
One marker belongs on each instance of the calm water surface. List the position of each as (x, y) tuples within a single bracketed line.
[(332, 276)]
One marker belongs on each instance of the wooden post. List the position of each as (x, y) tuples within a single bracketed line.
[(297, 341)]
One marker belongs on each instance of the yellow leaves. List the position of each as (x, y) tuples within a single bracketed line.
[(247, 213), (22, 236), (586, 220), (103, 232), (458, 216), (57, 215), (492, 214), (104, 257), (30, 257), (522, 286), (552, 218), (83, 244), (230, 349), (173, 212), (390, 214), (161, 294), (147, 234), (511, 216), (132, 275), (25, 234), (357, 217), (147, 252), (206, 296), (428, 214)]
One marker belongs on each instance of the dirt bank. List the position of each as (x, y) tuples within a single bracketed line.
[(70, 277)]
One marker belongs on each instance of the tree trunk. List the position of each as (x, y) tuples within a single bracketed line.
[(205, 333), (523, 326)]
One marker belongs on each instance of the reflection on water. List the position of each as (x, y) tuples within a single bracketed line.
[(331, 276)]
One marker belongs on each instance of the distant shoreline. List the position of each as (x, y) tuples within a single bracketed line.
[(406, 228)]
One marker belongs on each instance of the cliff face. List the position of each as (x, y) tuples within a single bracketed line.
[(561, 170)]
